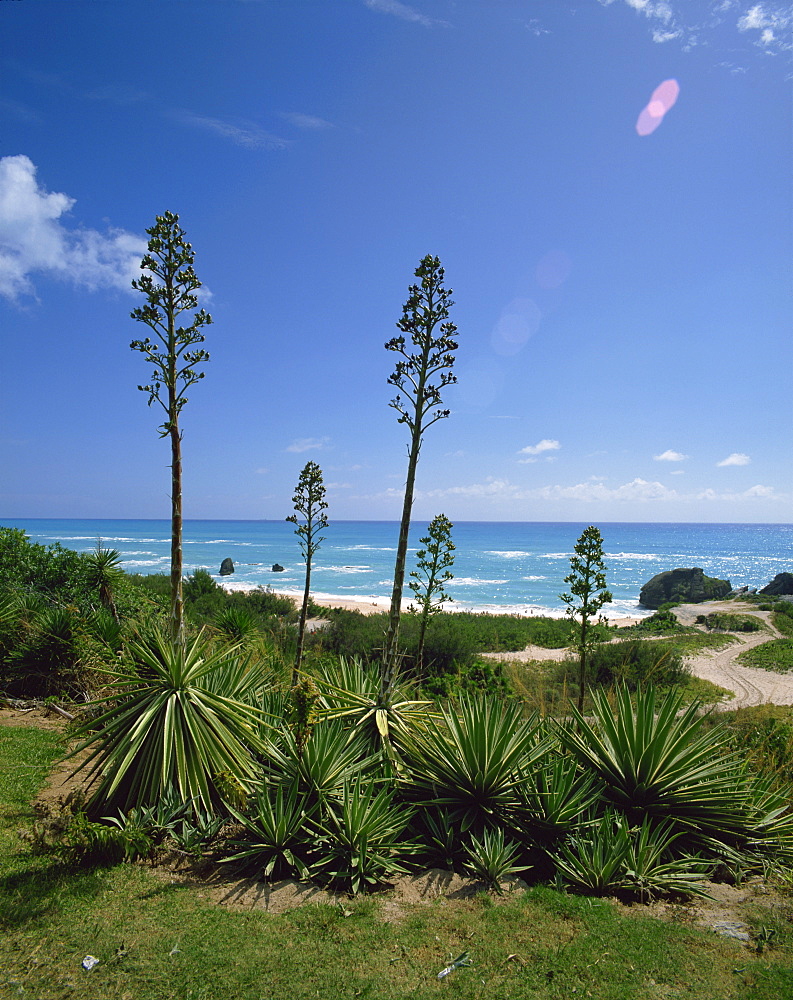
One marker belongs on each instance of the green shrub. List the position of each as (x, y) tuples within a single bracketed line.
[(726, 622), (634, 663), (663, 622), (776, 656)]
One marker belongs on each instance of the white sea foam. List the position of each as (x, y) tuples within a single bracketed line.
[(475, 581), (365, 548), (508, 554), (162, 561), (631, 556), (532, 579), (104, 539), (347, 569)]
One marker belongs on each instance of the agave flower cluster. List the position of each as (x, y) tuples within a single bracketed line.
[(636, 798)]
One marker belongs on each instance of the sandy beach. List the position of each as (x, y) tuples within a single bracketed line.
[(373, 605)]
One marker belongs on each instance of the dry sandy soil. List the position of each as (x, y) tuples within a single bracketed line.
[(751, 686)]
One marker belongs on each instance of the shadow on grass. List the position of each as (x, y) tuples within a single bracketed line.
[(37, 888)]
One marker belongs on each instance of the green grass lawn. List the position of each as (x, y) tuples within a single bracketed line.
[(161, 940)]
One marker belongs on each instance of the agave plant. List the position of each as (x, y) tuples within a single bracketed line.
[(552, 797), (610, 856), (168, 729), (438, 838), (278, 829), (472, 761), (331, 756), (593, 861), (360, 840), (492, 858), (658, 762), (351, 689), (236, 624)]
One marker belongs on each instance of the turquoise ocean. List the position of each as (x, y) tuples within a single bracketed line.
[(516, 567)]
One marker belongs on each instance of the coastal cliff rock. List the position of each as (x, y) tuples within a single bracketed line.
[(780, 585), (277, 568), (684, 585), (226, 567)]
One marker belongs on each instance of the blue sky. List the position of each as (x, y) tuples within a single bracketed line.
[(622, 295)]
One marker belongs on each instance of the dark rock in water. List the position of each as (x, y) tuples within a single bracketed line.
[(688, 586), (226, 567), (277, 568), (781, 584)]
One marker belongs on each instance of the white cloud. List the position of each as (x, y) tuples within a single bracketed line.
[(670, 20), (670, 456), (34, 239), (494, 491), (243, 133), (547, 444), (308, 444), (665, 36), (402, 11), (737, 458), (306, 121), (773, 21)]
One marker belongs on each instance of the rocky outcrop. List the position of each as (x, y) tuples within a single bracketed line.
[(780, 585), (277, 568), (226, 567), (688, 586)]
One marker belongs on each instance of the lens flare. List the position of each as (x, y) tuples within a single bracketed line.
[(663, 98)]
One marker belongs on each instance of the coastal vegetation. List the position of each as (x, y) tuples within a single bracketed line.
[(310, 521), (585, 599), (169, 284), (432, 573), (214, 727), (423, 370)]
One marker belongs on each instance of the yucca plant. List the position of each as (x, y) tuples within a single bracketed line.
[(359, 837), (331, 756), (438, 838), (473, 760), (236, 625), (651, 867), (493, 858), (351, 690), (610, 856), (244, 676), (168, 729), (278, 831), (658, 762), (552, 797), (593, 861)]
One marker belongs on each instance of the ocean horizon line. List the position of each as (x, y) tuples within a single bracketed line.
[(380, 520)]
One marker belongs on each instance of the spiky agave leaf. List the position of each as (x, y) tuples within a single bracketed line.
[(351, 690), (332, 755), (473, 760), (359, 838), (168, 729), (278, 830), (658, 762)]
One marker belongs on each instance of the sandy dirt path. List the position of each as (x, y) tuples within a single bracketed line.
[(750, 685)]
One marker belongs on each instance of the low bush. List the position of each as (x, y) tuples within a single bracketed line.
[(776, 655), (635, 663), (723, 621)]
